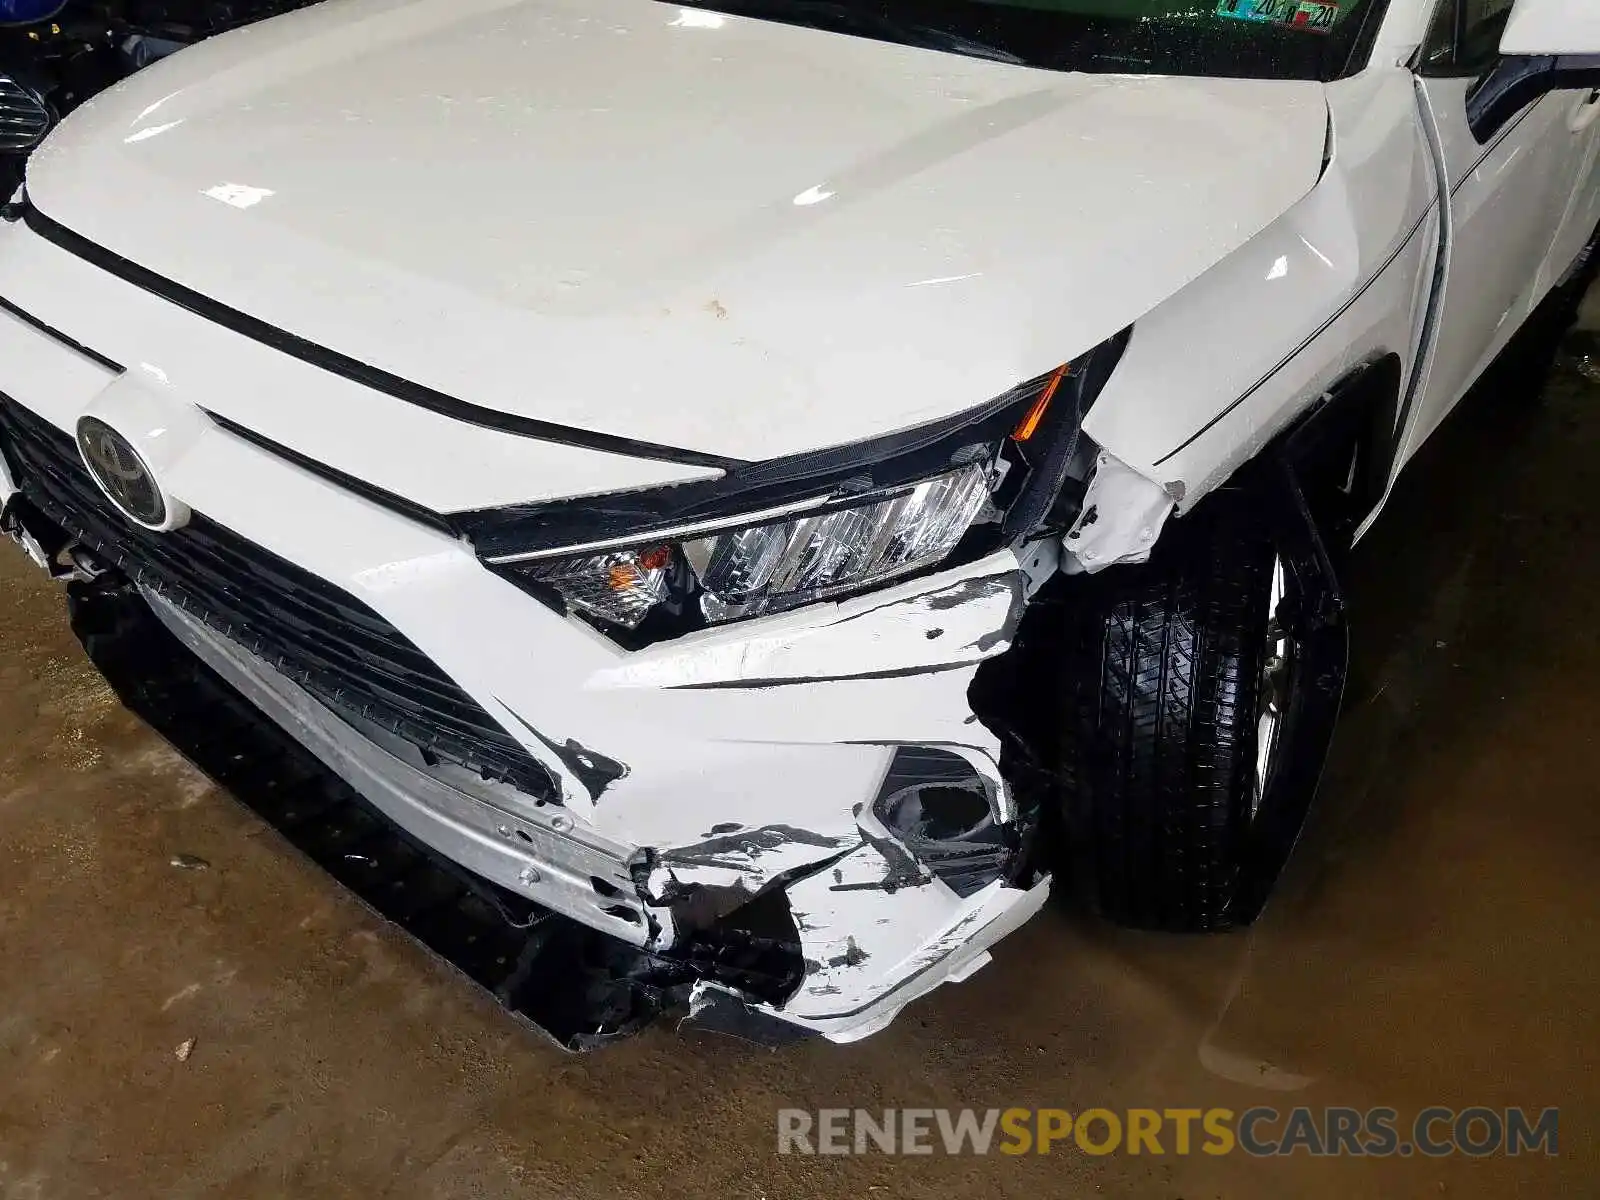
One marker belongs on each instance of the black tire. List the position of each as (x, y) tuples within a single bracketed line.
[(1163, 672)]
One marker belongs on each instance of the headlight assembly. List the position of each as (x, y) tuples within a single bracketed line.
[(749, 569), (775, 535)]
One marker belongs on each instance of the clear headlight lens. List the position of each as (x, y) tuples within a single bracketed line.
[(808, 558), (621, 587), (746, 571)]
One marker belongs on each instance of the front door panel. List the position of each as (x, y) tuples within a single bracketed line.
[(1509, 200)]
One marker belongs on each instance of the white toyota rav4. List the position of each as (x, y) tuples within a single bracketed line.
[(845, 461)]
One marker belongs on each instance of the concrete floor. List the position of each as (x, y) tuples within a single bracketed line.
[(1436, 942)]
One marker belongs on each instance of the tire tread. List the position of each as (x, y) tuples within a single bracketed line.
[(1157, 765)]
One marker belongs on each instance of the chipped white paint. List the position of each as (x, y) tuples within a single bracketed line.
[(741, 862), (797, 303), (1123, 514), (870, 952), (966, 618)]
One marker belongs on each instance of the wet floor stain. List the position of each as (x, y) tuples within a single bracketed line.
[(247, 1029)]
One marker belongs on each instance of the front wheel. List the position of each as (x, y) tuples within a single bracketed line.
[(1178, 675)]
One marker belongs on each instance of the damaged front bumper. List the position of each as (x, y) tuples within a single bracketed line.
[(913, 898), (816, 783)]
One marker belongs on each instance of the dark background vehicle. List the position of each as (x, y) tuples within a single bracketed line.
[(55, 54)]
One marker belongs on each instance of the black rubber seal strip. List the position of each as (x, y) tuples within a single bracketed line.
[(365, 374), (50, 331), (367, 491), (386, 499)]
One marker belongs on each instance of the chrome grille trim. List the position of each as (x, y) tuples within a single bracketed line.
[(24, 116)]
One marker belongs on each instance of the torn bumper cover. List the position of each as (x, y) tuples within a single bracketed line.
[(877, 898)]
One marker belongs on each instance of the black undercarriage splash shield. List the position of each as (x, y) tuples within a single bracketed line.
[(579, 987)]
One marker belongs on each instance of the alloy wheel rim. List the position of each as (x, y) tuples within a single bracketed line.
[(1273, 693)]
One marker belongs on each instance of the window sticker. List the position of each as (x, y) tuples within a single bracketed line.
[(1312, 16)]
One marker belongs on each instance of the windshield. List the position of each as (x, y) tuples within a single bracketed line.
[(1267, 39)]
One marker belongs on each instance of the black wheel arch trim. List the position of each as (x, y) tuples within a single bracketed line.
[(353, 369), (1344, 448), (1317, 481), (1319, 626)]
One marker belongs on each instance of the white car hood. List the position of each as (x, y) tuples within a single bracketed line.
[(711, 232)]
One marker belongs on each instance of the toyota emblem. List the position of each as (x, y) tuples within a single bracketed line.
[(121, 473)]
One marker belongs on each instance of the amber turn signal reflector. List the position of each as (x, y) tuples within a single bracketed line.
[(1030, 423)]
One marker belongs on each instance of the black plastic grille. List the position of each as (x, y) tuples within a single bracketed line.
[(335, 647)]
